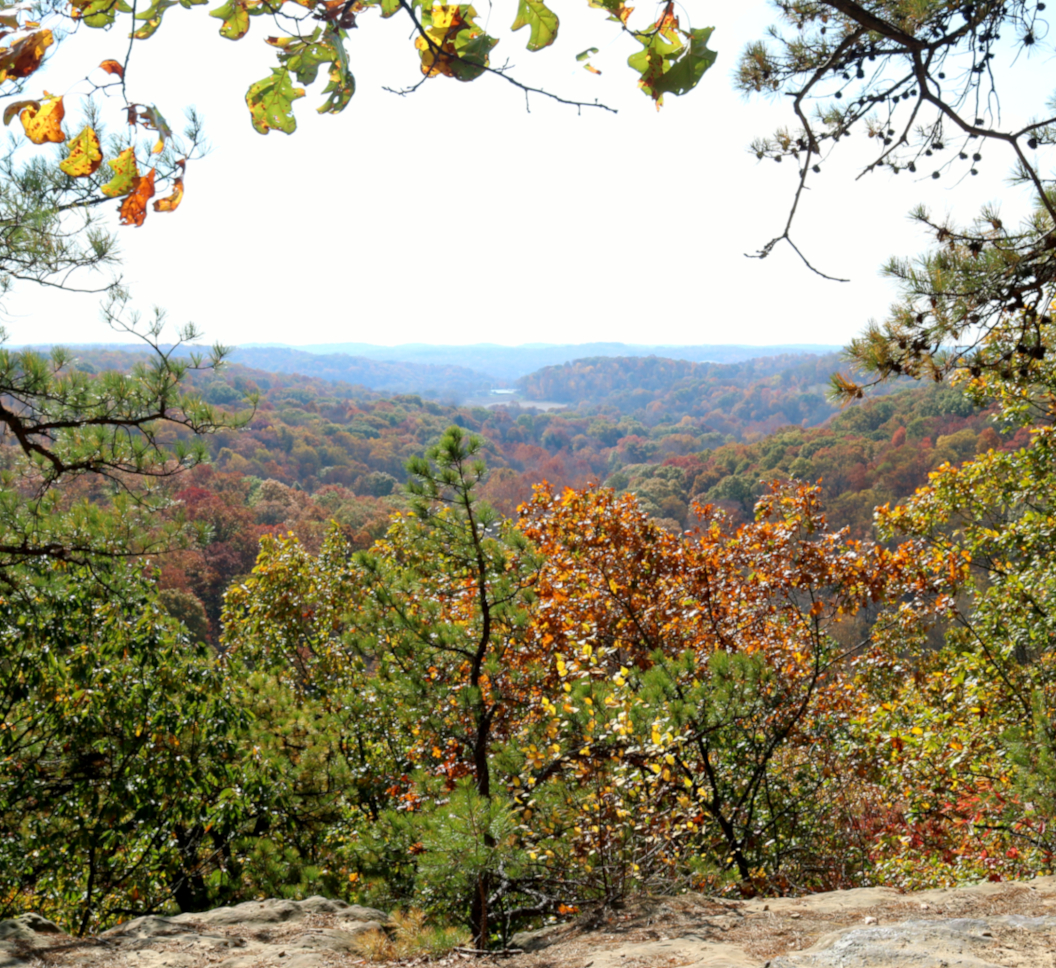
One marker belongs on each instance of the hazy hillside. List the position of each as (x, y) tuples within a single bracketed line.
[(436, 380)]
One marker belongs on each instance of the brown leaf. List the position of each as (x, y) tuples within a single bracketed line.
[(12, 109), (23, 58), (113, 67)]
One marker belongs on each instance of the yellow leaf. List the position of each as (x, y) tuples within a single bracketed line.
[(85, 155), (45, 124), (171, 202)]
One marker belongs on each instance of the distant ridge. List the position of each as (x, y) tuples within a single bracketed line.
[(459, 373), (509, 363)]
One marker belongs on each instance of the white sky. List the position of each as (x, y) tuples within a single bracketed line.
[(453, 216)]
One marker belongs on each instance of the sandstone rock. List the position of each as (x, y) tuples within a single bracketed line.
[(279, 910), (964, 942), (26, 927), (21, 936), (15, 930), (150, 926), (38, 924)]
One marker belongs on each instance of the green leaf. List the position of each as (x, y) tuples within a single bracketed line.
[(235, 17), (271, 100), (126, 174), (459, 48), (687, 71), (616, 8), (587, 54), (303, 56), (342, 84), (340, 90), (389, 7), (541, 19), (666, 48), (152, 15), (101, 13), (474, 54)]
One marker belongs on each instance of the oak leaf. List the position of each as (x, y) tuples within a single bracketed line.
[(541, 19), (44, 124), (172, 201), (616, 8), (340, 89), (235, 17), (98, 13), (271, 100), (152, 15), (453, 44), (303, 56), (126, 174), (684, 74), (85, 155), (23, 57), (12, 109), (152, 119), (134, 207)]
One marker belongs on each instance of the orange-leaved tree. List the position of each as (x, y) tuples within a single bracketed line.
[(709, 676)]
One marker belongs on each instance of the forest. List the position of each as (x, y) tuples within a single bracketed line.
[(766, 627)]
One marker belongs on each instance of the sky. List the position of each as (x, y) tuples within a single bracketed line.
[(455, 216)]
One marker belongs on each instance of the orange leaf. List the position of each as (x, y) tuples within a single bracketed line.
[(45, 124), (171, 202), (134, 207), (113, 67)]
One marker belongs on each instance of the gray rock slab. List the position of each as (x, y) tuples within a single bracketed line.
[(960, 942)]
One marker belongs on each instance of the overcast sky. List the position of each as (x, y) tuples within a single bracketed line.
[(454, 216)]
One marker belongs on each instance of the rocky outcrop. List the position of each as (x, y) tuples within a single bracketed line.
[(295, 934), (986, 926)]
